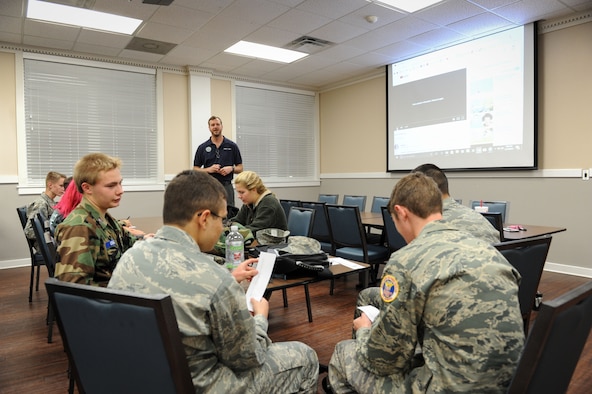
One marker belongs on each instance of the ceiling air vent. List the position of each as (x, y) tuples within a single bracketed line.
[(308, 44), (150, 46)]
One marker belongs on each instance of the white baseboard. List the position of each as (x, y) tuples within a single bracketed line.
[(15, 263), (568, 269), (549, 266)]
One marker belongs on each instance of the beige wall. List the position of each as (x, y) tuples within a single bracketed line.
[(176, 123), (222, 105), (8, 151), (353, 124), (565, 114)]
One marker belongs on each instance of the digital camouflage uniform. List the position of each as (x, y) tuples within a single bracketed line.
[(43, 205), (88, 246), (469, 220), (227, 349), (455, 296)]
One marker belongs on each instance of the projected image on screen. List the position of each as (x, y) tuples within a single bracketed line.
[(470, 106)]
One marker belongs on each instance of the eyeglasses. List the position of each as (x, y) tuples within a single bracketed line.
[(215, 215)]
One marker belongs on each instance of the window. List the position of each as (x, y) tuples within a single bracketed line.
[(74, 109), (276, 133)]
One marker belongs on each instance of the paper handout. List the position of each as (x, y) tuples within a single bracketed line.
[(259, 282), (370, 311)]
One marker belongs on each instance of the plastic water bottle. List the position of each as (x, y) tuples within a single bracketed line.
[(235, 248)]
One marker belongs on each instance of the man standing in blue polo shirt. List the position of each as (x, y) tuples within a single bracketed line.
[(219, 157)]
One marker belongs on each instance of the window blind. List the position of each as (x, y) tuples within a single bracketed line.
[(276, 133), (72, 110)]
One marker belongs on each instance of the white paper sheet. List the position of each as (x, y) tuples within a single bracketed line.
[(370, 311), (259, 282), (347, 263)]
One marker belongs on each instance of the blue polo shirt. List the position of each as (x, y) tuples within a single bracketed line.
[(227, 154)]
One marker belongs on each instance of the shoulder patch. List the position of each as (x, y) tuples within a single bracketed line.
[(389, 288)]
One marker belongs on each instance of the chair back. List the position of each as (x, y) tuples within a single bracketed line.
[(494, 206), (555, 343), (359, 201), (528, 256), (394, 239), (136, 337), (287, 204), (378, 202), (300, 221), (45, 242), (22, 214), (349, 238), (320, 226), (495, 218), (329, 198)]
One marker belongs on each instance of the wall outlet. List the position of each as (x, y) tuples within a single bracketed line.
[(585, 174)]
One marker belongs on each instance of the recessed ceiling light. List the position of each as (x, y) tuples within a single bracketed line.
[(405, 5), (265, 52), (81, 17)]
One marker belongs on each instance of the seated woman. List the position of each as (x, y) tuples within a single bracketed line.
[(261, 209)]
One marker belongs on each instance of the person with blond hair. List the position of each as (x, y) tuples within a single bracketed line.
[(261, 209), (90, 241), (45, 204)]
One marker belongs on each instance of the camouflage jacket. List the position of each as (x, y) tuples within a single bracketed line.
[(222, 340), (88, 246), (43, 205), (466, 219), (455, 296)]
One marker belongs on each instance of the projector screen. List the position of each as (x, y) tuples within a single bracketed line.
[(467, 107)]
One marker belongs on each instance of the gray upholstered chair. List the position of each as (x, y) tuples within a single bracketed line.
[(301, 221)]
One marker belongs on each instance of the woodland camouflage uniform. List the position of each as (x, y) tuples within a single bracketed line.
[(88, 246)]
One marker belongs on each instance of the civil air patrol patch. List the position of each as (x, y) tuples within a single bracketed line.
[(389, 288), (208, 149)]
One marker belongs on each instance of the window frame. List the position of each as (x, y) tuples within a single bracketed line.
[(25, 185)]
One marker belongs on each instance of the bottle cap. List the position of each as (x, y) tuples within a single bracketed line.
[(234, 228)]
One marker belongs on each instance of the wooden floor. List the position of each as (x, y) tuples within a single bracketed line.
[(28, 364)]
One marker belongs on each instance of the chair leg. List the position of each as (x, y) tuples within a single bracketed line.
[(308, 307), (285, 295), (37, 282), (31, 282), (332, 286), (50, 320)]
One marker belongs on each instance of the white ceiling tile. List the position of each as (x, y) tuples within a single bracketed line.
[(338, 32), (47, 42), (182, 17), (100, 38), (165, 33), (299, 21), (51, 30), (449, 12), (97, 49), (10, 24), (480, 25), (331, 9), (141, 56)]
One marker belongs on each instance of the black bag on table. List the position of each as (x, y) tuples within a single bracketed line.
[(301, 257)]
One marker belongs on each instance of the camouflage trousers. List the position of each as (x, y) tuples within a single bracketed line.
[(346, 375), (290, 367)]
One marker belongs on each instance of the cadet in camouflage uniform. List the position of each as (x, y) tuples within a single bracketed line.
[(44, 204), (227, 348), (457, 215), (90, 241), (447, 291)]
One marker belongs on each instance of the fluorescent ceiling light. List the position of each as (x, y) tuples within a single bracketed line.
[(265, 52), (82, 17), (405, 5)]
